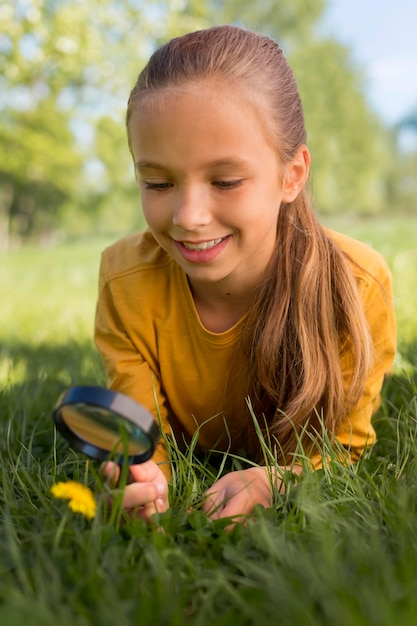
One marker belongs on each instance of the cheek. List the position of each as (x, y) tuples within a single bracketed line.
[(149, 208), (149, 215), (261, 212), (156, 218)]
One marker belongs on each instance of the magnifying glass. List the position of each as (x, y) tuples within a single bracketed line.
[(106, 424)]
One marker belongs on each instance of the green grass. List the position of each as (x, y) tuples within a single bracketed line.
[(340, 547)]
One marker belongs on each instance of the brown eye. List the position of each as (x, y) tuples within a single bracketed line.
[(157, 186), (227, 184)]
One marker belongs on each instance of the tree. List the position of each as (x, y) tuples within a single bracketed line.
[(57, 59), (39, 163), (38, 169), (350, 147), (402, 179), (66, 68)]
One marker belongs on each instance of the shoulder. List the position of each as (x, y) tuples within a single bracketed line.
[(366, 262), (132, 254)]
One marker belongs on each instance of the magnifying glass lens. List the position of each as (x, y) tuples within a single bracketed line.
[(100, 428), (106, 424)]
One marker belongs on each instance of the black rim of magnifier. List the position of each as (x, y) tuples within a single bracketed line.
[(116, 403)]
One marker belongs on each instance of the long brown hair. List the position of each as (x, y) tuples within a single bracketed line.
[(306, 315)]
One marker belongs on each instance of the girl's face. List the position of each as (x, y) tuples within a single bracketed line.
[(211, 184)]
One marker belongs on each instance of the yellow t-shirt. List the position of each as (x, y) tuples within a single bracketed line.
[(156, 350)]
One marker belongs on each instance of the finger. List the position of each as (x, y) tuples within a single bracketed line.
[(237, 507), (213, 503), (141, 494), (147, 511), (149, 472), (111, 472), (219, 505)]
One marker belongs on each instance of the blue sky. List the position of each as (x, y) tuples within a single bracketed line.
[(382, 37)]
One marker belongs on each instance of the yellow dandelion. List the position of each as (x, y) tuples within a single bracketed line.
[(81, 498)]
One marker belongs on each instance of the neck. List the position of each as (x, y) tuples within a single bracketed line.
[(220, 306)]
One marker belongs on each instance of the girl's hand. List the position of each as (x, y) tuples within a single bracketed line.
[(237, 493), (146, 492)]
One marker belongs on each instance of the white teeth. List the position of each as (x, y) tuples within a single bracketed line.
[(204, 245)]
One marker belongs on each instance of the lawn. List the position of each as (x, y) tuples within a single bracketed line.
[(340, 547)]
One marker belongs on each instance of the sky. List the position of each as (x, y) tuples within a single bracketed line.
[(382, 37)]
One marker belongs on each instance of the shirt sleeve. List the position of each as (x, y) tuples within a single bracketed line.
[(127, 371)]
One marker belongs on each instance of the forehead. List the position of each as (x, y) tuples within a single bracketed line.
[(211, 101), (196, 130)]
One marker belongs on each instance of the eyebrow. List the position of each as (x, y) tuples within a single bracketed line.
[(227, 162), (148, 164)]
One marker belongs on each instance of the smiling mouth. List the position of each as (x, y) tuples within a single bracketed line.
[(203, 245)]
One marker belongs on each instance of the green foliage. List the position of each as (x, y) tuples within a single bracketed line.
[(113, 190), (66, 68), (37, 172), (351, 154), (40, 164), (401, 179), (52, 77)]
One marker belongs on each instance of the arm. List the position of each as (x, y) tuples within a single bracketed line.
[(357, 432), (127, 370)]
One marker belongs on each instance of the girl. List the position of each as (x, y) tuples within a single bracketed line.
[(236, 291)]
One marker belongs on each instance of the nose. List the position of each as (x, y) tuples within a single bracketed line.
[(192, 209)]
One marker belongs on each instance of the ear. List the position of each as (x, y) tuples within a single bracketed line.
[(296, 174)]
